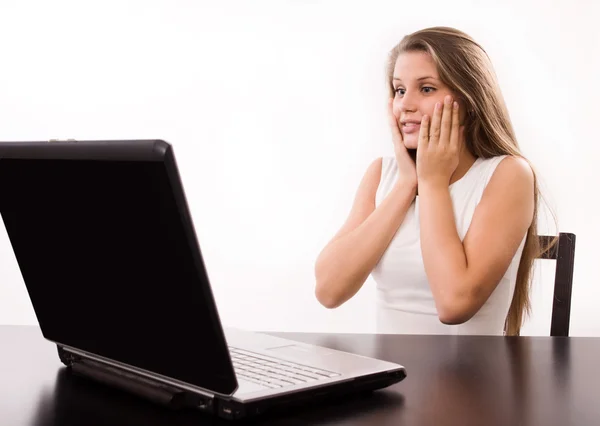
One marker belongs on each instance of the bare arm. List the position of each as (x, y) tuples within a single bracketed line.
[(462, 275), (347, 260)]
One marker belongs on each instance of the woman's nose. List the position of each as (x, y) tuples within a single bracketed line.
[(408, 103)]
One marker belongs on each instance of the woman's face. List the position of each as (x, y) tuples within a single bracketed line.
[(417, 89)]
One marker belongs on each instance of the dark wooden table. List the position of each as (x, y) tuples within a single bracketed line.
[(452, 380)]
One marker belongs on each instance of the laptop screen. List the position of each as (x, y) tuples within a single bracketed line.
[(111, 265)]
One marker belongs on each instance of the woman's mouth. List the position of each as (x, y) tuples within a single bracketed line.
[(409, 128)]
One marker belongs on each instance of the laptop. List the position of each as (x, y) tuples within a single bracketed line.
[(108, 252)]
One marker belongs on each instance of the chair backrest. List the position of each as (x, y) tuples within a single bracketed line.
[(564, 254)]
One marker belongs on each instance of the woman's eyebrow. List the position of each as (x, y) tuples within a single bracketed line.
[(418, 79)]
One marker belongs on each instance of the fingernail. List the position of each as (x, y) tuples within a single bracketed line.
[(437, 106), (455, 105), (448, 99)]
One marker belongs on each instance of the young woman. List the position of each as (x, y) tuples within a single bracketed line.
[(447, 227)]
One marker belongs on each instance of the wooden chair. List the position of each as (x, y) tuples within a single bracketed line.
[(564, 254)]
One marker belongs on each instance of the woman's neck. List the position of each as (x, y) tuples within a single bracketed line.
[(465, 162)]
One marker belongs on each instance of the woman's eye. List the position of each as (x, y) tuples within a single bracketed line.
[(427, 89)]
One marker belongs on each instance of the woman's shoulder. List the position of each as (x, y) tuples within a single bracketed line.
[(388, 164), (382, 167), (502, 167), (373, 171), (513, 167), (511, 173)]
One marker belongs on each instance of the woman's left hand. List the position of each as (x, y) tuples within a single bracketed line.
[(440, 144)]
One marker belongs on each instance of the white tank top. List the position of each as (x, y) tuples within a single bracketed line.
[(405, 303)]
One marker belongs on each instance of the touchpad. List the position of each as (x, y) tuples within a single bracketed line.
[(300, 351), (288, 349)]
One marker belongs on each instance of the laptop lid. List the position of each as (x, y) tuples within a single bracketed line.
[(104, 240)]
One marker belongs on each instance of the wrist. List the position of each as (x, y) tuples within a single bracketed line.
[(432, 186), (406, 184)]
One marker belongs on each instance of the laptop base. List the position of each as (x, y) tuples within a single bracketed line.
[(175, 398)]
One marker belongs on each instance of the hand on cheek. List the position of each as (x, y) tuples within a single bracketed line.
[(440, 142), (406, 166)]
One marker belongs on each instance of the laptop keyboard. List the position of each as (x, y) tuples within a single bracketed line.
[(273, 372)]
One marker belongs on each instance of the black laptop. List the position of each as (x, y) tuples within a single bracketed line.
[(107, 249)]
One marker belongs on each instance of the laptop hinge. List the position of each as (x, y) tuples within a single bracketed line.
[(153, 390)]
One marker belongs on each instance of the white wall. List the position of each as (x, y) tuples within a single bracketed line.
[(275, 108)]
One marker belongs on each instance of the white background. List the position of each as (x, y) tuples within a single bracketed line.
[(275, 109)]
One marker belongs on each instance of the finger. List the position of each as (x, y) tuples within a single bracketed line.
[(455, 132), (423, 134), (446, 123), (434, 130), (396, 133)]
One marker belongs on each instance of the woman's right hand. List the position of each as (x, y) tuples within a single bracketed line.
[(407, 168)]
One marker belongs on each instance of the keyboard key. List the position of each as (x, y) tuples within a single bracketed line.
[(273, 372)]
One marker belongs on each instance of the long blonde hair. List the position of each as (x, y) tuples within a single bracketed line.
[(464, 66)]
